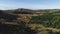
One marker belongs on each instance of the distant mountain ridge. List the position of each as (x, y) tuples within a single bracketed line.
[(30, 10)]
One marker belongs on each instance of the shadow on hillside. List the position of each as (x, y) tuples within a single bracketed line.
[(22, 13), (7, 17), (15, 29)]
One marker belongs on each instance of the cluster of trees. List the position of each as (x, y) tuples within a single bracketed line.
[(23, 11), (48, 20)]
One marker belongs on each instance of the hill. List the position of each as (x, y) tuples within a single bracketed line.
[(30, 21)]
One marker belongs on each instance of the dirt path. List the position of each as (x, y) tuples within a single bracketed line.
[(53, 29)]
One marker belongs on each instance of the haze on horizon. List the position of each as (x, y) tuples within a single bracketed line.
[(29, 4)]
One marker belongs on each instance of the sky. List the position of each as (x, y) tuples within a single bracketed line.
[(29, 4)]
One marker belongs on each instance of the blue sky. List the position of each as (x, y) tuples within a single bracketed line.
[(30, 4)]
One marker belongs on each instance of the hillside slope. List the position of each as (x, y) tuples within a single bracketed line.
[(31, 21)]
